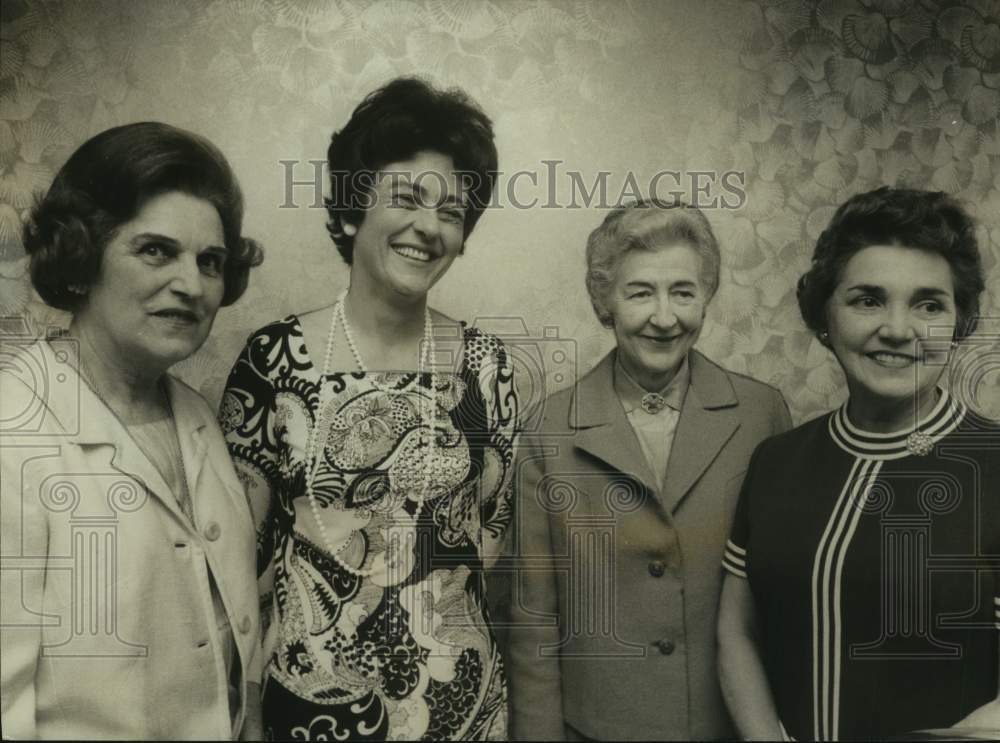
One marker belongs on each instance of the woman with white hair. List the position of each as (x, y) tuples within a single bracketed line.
[(623, 500)]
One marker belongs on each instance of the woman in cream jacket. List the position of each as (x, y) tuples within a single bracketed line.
[(129, 596)]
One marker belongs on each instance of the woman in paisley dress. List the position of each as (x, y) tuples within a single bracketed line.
[(374, 438)]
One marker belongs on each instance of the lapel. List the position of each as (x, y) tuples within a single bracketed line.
[(190, 433), (603, 431), (98, 427), (207, 464), (709, 418)]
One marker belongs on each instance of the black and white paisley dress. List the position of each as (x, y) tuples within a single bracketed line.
[(406, 652)]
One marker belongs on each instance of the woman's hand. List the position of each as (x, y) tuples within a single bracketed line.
[(982, 720), (741, 670)]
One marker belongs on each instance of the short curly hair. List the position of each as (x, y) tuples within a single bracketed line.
[(912, 218), (645, 225), (105, 183), (394, 123)]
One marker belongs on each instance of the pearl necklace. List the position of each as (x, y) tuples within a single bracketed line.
[(312, 457)]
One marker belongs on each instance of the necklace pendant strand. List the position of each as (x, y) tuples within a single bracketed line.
[(312, 456)]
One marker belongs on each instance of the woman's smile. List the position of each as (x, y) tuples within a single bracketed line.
[(410, 236), (410, 252), (662, 340), (892, 359), (161, 282), (657, 302), (180, 317), (886, 317)]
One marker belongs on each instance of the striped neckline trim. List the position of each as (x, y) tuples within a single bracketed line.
[(941, 421)]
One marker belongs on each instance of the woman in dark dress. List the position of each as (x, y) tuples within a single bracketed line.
[(862, 594), (379, 477)]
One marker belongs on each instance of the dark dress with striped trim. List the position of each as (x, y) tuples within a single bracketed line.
[(875, 572)]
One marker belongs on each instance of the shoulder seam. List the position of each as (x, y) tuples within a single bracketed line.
[(289, 320), (754, 380)]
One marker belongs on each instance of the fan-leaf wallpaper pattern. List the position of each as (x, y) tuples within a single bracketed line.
[(811, 101)]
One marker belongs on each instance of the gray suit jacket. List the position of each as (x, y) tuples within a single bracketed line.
[(615, 584)]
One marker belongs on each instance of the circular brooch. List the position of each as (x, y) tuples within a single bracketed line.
[(653, 403), (919, 443)]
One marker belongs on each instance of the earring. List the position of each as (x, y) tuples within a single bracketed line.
[(824, 337), (77, 288), (350, 230)]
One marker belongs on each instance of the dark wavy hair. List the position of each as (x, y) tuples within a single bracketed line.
[(394, 123), (922, 220), (105, 184)]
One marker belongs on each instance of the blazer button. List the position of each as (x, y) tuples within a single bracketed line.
[(213, 531), (665, 646), (657, 568), (245, 624)]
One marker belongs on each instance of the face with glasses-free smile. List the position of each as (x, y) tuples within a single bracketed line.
[(891, 319), (160, 283), (414, 228), (657, 303)]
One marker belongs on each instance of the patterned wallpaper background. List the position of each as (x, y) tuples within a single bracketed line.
[(808, 101)]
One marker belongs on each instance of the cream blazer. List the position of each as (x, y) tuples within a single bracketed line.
[(107, 628)]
